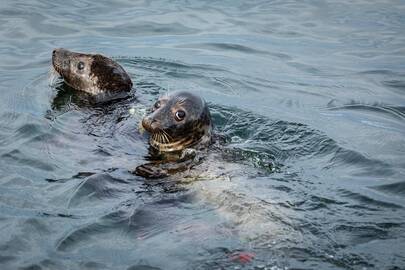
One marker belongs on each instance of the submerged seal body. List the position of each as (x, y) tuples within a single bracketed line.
[(179, 124), (91, 73)]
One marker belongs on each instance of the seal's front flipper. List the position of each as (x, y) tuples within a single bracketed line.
[(160, 170), (150, 170), (188, 158)]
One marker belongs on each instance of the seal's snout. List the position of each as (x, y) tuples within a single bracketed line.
[(60, 51), (53, 57), (150, 124), (57, 52), (57, 59)]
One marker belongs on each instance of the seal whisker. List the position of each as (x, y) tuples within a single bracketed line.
[(155, 137), (163, 137), (166, 136), (169, 138), (160, 137), (187, 132)]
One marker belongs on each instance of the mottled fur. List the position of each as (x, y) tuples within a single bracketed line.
[(99, 74)]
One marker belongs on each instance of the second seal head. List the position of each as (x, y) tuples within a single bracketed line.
[(92, 73)]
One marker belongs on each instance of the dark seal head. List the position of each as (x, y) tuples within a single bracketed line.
[(92, 73), (177, 121)]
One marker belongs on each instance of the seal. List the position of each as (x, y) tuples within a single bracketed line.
[(92, 73), (178, 121), (179, 125)]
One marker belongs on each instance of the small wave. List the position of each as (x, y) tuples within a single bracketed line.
[(146, 28), (398, 84), (354, 234), (397, 112), (361, 164), (366, 201), (135, 219), (142, 267), (227, 47), (282, 141), (165, 65), (394, 188), (18, 158), (96, 187)]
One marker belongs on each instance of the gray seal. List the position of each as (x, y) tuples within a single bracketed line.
[(92, 73), (179, 125)]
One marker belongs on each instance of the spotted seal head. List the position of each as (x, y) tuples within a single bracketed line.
[(177, 121), (92, 73)]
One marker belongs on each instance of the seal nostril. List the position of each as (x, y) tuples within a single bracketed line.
[(146, 123), (149, 124)]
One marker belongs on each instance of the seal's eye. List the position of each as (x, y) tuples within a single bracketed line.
[(157, 104), (180, 115), (80, 66)]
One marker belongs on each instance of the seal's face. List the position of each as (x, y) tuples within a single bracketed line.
[(92, 73), (178, 121)]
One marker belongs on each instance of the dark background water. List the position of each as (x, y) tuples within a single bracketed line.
[(315, 88)]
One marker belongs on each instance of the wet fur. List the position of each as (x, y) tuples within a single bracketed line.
[(100, 75), (175, 146), (169, 135)]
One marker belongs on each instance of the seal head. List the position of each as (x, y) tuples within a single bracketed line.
[(178, 121), (92, 73)]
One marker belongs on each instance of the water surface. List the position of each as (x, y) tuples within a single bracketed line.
[(310, 96)]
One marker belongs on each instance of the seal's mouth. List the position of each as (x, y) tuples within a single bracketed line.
[(174, 140), (162, 141)]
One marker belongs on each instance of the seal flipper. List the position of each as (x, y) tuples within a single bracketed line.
[(150, 170), (188, 159)]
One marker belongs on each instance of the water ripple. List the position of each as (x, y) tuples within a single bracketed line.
[(308, 105)]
